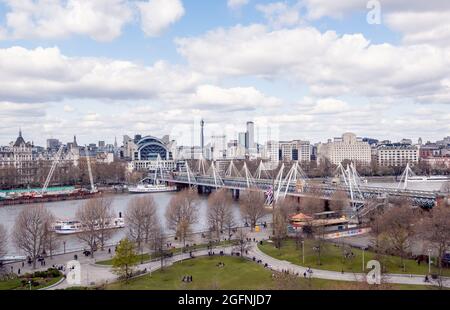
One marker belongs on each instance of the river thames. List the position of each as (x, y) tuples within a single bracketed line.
[(66, 210)]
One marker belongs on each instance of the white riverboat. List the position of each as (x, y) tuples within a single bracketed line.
[(151, 188), (75, 227), (437, 178)]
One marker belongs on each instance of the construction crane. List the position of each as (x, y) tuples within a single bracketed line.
[(56, 160), (91, 178)]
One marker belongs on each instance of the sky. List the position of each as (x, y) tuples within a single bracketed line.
[(299, 69)]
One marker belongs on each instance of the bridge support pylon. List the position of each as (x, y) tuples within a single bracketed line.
[(235, 193)]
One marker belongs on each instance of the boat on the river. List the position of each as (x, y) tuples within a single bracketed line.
[(71, 227), (151, 188), (436, 178)]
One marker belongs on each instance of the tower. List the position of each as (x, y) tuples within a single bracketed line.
[(250, 135), (202, 136)]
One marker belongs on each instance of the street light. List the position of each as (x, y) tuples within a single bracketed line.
[(303, 251), (363, 259), (429, 261)]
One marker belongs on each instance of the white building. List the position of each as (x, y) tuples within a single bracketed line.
[(273, 152), (349, 147), (397, 155), (296, 150)]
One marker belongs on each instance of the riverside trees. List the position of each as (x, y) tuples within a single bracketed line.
[(31, 230)]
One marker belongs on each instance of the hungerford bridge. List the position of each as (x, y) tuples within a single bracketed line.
[(294, 182)]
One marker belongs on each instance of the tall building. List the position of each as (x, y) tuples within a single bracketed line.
[(273, 151), (250, 137), (296, 150), (53, 144), (349, 147), (243, 139), (202, 137), (397, 155)]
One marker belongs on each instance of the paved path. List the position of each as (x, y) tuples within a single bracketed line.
[(94, 275), (279, 265)]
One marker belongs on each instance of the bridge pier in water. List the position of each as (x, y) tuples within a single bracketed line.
[(235, 193)]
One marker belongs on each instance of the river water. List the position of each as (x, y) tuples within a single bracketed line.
[(67, 210)]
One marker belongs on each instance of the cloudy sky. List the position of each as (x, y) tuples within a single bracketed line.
[(308, 69)]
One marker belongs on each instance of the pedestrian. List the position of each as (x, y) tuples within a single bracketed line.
[(18, 272), (23, 264), (109, 251)]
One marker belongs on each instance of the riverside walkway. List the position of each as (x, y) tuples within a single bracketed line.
[(96, 275)]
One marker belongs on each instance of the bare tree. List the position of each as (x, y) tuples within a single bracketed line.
[(95, 216), (219, 210), (159, 243), (436, 230), (105, 216), (141, 219), (398, 229), (252, 206), (242, 243), (182, 213), (3, 240), (281, 215), (52, 242), (30, 230), (312, 205), (339, 201)]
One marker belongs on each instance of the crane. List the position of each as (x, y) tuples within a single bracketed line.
[(91, 178), (56, 160)]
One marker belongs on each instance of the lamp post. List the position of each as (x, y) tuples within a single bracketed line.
[(363, 259), (429, 261), (64, 243), (303, 251)]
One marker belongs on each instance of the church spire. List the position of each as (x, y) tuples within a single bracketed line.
[(20, 132)]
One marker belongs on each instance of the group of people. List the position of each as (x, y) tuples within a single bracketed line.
[(187, 279), (308, 272)]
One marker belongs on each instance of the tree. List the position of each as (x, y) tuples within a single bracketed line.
[(182, 213), (125, 259), (219, 210), (105, 216), (242, 243), (397, 227), (252, 206), (281, 215), (3, 240), (141, 220), (311, 205), (339, 201), (158, 243), (30, 231), (93, 216), (52, 242), (436, 230)]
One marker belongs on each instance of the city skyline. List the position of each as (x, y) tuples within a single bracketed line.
[(309, 68)]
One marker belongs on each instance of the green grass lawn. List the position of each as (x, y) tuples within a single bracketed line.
[(238, 274), (15, 284), (332, 258), (146, 257)]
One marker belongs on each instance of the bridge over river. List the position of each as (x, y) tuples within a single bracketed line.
[(293, 182)]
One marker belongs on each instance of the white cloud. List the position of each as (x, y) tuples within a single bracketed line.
[(237, 4), (158, 15), (280, 14), (101, 20), (329, 64), (68, 108), (238, 98), (47, 19), (44, 74), (418, 21), (330, 106)]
